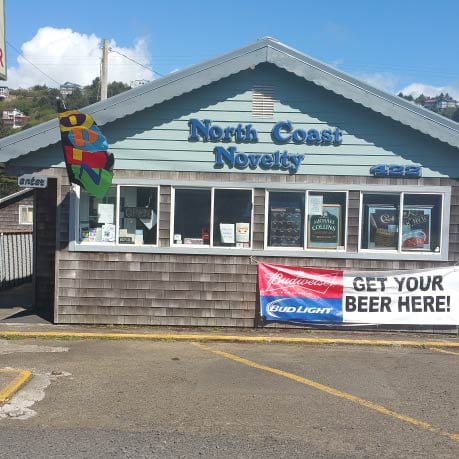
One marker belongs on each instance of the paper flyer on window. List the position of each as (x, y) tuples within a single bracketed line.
[(305, 295)]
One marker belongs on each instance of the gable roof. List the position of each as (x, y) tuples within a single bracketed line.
[(15, 196), (266, 50)]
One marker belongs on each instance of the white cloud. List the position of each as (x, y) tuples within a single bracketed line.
[(416, 89), (65, 55), (391, 83), (384, 81)]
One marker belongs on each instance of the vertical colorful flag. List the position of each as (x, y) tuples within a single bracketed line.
[(85, 151)]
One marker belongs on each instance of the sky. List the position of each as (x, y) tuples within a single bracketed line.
[(396, 45)]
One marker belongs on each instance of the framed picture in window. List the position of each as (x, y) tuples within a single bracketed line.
[(383, 227), (416, 228), (324, 230)]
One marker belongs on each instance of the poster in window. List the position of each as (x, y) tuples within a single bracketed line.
[(243, 232), (285, 227), (416, 228), (324, 230), (383, 227), (105, 213), (227, 233)]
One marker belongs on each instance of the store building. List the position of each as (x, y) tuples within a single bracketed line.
[(261, 154)]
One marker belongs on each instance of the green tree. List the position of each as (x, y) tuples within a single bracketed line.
[(8, 185), (420, 99), (116, 87)]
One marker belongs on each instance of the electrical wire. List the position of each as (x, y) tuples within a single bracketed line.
[(32, 64), (135, 62)]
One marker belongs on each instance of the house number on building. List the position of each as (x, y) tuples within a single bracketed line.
[(394, 170)]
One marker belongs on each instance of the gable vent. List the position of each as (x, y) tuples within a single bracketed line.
[(263, 101)]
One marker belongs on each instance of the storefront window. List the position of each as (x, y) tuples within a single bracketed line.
[(326, 220), (192, 216), (421, 229), (421, 222), (232, 217), (138, 216), (215, 217), (97, 218), (286, 219), (136, 223)]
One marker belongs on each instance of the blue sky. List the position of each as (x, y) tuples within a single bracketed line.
[(392, 44)]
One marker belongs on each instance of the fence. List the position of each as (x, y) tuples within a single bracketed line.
[(16, 258)]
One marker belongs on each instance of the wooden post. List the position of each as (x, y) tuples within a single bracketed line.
[(104, 71)]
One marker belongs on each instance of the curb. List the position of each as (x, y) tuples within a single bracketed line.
[(15, 385), (227, 338)]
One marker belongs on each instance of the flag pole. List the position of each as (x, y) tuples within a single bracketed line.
[(61, 108)]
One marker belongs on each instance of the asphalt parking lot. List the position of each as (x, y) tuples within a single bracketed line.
[(181, 399)]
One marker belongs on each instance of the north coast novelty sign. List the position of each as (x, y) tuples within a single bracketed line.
[(282, 133)]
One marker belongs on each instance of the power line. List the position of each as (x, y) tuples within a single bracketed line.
[(32, 64), (135, 62)]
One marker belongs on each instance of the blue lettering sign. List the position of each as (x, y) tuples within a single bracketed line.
[(234, 159), (206, 131), (283, 132)]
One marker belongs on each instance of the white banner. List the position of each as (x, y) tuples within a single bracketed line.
[(409, 297)]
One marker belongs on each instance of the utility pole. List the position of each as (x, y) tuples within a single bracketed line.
[(104, 71)]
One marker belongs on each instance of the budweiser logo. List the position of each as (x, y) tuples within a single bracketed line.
[(309, 282)]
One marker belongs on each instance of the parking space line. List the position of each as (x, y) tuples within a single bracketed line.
[(337, 393), (444, 351), (22, 377)]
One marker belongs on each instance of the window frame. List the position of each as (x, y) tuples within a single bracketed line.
[(21, 208), (212, 215), (259, 189), (76, 225), (305, 248), (444, 222)]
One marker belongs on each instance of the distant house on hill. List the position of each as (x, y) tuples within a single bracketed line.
[(4, 93), (68, 88), (137, 83), (13, 118), (440, 102)]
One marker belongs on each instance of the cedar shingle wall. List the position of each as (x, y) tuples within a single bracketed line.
[(198, 290)]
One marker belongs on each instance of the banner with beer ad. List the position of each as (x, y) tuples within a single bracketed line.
[(313, 295)]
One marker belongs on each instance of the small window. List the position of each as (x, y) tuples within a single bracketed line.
[(136, 222), (380, 221), (138, 215), (232, 217), (97, 218), (213, 217), (326, 220), (26, 215), (192, 216), (420, 230)]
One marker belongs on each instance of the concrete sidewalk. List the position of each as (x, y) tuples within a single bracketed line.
[(251, 335)]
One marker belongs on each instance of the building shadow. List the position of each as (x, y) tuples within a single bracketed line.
[(16, 305)]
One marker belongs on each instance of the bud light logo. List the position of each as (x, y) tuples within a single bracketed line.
[(301, 309)]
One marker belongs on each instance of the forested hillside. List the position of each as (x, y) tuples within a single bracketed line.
[(39, 104)]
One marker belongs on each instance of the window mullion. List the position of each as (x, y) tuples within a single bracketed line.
[(211, 224), (306, 220), (117, 218), (400, 222)]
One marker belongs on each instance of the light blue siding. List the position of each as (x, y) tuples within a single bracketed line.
[(157, 138)]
